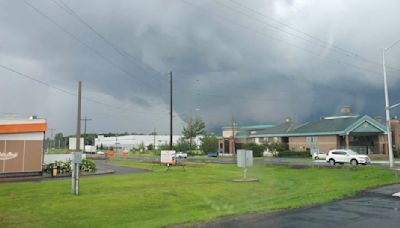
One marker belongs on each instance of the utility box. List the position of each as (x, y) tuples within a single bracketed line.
[(77, 157), (244, 158)]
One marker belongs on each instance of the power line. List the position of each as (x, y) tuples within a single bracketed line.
[(120, 51), (82, 43), (44, 83), (279, 40), (313, 38)]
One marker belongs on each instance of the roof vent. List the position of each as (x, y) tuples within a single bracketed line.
[(288, 120), (34, 117)]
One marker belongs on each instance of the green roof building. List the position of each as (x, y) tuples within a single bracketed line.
[(345, 130)]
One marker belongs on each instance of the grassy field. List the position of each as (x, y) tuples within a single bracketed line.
[(197, 193)]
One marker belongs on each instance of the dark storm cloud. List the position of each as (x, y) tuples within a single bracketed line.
[(226, 64)]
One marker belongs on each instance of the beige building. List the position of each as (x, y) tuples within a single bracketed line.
[(21, 146), (363, 134)]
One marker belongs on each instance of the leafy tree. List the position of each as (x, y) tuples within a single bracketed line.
[(141, 147), (150, 147), (182, 145), (58, 139), (258, 149), (193, 128), (209, 143), (164, 147), (276, 147)]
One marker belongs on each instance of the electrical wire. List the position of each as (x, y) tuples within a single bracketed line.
[(84, 44)]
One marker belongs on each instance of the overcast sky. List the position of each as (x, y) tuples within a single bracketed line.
[(255, 61)]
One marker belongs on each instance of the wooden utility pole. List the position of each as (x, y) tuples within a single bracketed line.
[(51, 141), (233, 136), (78, 122), (154, 139), (170, 111), (75, 165)]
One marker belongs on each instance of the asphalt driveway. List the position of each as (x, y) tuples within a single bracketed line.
[(104, 165), (371, 208)]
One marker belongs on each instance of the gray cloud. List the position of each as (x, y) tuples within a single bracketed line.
[(225, 63)]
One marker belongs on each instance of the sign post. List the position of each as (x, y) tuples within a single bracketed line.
[(76, 161), (245, 160)]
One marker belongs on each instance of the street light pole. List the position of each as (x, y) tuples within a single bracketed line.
[(387, 104), (387, 108)]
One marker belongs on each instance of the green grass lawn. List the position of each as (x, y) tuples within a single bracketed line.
[(197, 193)]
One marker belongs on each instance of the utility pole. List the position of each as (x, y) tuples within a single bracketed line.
[(78, 122), (233, 136), (51, 137), (75, 165), (84, 134), (154, 139), (170, 112), (116, 142)]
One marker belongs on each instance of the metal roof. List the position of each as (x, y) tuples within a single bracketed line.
[(339, 125)]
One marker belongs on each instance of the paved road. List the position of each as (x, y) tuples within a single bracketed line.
[(372, 208), (189, 159), (103, 165)]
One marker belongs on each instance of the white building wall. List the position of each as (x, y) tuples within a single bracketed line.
[(133, 141)]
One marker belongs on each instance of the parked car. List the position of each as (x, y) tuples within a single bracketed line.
[(100, 153), (319, 155), (212, 155), (346, 156), (181, 155)]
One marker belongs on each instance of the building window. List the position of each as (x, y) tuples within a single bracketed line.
[(312, 139), (275, 139)]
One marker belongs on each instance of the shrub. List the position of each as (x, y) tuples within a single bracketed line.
[(164, 147), (182, 145), (87, 166), (396, 153), (276, 147), (257, 149), (294, 154)]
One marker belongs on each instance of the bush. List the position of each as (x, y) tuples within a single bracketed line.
[(182, 145), (87, 166), (164, 147), (294, 154), (276, 146), (396, 153), (257, 149)]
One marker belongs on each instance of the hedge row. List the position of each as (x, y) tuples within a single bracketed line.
[(294, 154)]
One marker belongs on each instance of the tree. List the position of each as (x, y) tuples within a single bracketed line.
[(182, 145), (209, 143), (258, 149), (59, 139), (193, 128), (276, 147), (150, 147)]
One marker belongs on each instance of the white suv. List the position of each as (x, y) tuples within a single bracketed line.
[(346, 156)]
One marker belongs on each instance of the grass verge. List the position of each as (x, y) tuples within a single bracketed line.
[(197, 193)]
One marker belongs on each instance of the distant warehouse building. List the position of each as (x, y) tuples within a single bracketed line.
[(21, 146), (134, 141)]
